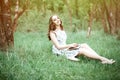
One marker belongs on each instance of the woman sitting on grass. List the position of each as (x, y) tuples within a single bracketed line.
[(57, 35)]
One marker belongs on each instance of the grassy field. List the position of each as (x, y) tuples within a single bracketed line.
[(32, 58)]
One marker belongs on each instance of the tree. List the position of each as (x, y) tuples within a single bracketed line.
[(6, 32), (7, 25), (112, 15), (108, 12)]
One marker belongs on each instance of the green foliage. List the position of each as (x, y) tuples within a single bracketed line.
[(58, 6), (34, 21), (39, 11), (32, 59)]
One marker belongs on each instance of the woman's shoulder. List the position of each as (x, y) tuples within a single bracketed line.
[(52, 33), (57, 31)]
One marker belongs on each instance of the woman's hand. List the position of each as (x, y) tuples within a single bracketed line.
[(73, 45)]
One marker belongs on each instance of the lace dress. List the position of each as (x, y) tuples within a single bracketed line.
[(61, 37)]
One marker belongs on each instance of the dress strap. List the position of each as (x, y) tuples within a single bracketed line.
[(55, 33)]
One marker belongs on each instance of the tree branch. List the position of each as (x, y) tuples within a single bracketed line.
[(18, 13)]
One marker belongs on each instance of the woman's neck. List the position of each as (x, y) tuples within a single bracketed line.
[(58, 28)]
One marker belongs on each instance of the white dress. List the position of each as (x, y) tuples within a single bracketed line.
[(61, 37)]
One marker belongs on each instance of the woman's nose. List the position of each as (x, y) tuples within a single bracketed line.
[(58, 19)]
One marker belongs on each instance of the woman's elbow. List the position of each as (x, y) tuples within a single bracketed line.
[(59, 47)]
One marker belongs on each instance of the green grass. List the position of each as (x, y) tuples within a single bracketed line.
[(32, 58)]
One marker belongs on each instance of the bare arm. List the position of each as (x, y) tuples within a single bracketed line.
[(55, 42)]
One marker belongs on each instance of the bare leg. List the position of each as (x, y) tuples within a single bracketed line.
[(88, 47), (89, 52)]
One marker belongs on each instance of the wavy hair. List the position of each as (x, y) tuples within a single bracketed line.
[(52, 27)]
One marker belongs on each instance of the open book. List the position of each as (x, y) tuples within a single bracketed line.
[(73, 48)]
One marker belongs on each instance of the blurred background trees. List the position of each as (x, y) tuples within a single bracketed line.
[(105, 11), (80, 14)]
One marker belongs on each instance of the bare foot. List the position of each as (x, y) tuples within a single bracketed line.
[(73, 59), (111, 61)]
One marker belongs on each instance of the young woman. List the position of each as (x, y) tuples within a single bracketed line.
[(57, 35)]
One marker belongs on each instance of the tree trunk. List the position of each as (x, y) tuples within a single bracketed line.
[(6, 32), (110, 19), (76, 8), (89, 23), (117, 16), (103, 18)]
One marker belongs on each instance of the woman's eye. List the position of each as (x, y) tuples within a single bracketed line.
[(54, 20)]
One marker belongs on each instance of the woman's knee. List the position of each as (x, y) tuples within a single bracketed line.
[(82, 50), (84, 45)]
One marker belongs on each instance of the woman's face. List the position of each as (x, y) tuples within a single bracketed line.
[(56, 20)]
